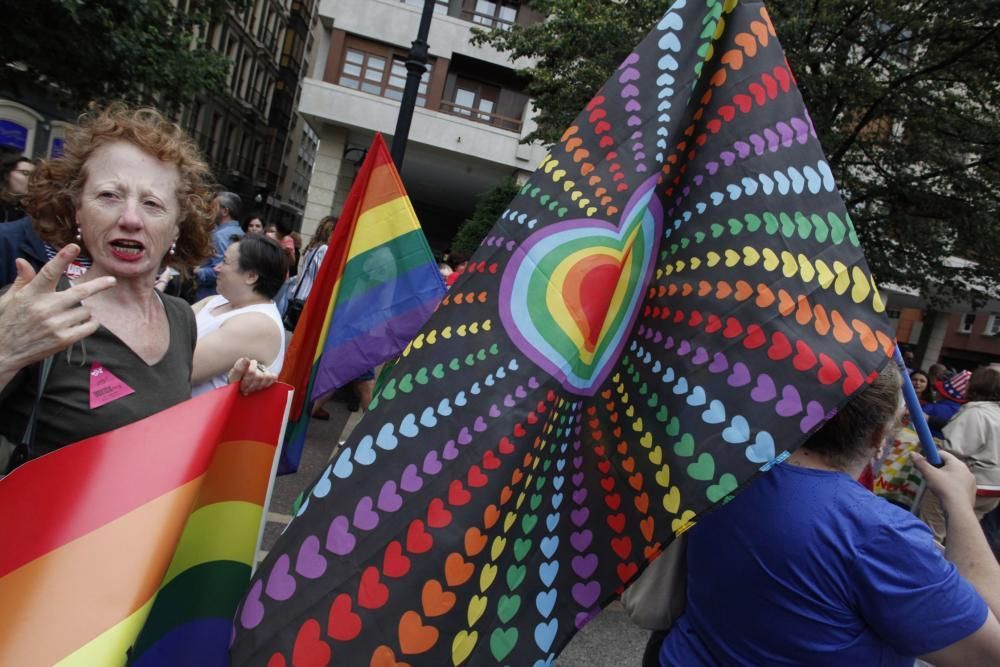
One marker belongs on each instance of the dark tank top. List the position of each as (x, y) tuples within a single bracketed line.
[(65, 415)]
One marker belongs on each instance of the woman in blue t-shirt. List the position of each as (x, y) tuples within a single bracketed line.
[(808, 567)]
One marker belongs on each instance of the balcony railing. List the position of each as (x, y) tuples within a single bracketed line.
[(440, 6), (496, 120), (485, 20), (479, 18)]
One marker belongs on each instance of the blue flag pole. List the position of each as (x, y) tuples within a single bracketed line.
[(917, 417)]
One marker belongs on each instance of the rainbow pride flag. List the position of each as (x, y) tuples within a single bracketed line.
[(376, 288), (136, 545)]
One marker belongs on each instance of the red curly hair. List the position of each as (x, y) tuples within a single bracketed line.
[(55, 187)]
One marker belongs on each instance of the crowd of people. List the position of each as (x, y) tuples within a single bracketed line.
[(121, 261)]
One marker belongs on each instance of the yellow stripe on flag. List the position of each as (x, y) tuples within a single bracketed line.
[(109, 647), (381, 224), (324, 332)]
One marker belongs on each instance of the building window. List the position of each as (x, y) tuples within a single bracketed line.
[(254, 24), (367, 72), (232, 54), (397, 82), (993, 326), (478, 101), (212, 37), (363, 71), (229, 157), (14, 135), (257, 98), (291, 49), (491, 13), (268, 97), (214, 134), (473, 96), (257, 166), (246, 78), (966, 323)]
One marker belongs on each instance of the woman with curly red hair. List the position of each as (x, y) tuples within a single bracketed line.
[(131, 191)]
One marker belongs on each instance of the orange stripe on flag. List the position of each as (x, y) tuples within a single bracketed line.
[(238, 471), (55, 604), (382, 188)]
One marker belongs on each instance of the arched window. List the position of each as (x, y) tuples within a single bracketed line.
[(18, 126)]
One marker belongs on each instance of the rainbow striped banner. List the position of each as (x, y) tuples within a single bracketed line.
[(376, 288), (136, 545)]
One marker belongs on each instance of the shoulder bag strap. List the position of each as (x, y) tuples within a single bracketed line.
[(298, 283), (29, 432), (23, 450)]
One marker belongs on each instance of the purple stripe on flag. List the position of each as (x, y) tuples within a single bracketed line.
[(367, 312), (344, 362), (295, 442)]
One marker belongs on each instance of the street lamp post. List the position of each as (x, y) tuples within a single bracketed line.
[(416, 65)]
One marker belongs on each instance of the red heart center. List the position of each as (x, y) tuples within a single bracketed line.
[(588, 290)]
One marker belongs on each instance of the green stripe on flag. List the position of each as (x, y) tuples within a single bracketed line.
[(208, 590)]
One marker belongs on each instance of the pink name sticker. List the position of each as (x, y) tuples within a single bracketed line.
[(74, 271), (105, 387)]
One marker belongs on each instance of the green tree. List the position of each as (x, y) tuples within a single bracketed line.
[(903, 95), (488, 209), (89, 51)]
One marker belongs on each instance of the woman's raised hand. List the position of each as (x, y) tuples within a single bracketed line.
[(36, 321)]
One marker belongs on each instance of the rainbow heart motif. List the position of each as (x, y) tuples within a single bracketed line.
[(572, 290)]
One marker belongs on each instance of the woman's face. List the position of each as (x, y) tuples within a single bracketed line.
[(272, 231), (919, 381), (230, 280), (255, 226), (128, 210), (17, 179)]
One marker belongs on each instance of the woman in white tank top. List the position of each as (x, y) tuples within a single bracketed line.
[(242, 321)]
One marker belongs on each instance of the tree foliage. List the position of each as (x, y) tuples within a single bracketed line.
[(487, 211), (904, 97), (89, 51)]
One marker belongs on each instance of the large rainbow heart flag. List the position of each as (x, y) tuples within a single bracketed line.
[(674, 302), (375, 289), (137, 544)]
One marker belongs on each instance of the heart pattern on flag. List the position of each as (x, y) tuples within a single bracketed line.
[(573, 290)]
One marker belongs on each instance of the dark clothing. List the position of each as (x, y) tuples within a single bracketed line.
[(651, 655), (184, 285), (11, 211), (18, 239), (65, 415)]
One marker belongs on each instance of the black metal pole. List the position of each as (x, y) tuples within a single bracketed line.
[(416, 65)]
